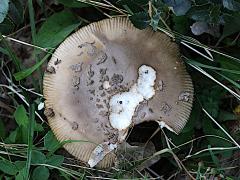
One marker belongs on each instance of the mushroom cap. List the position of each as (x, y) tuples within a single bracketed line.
[(101, 60)]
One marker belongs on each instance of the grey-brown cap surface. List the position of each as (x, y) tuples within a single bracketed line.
[(100, 61)]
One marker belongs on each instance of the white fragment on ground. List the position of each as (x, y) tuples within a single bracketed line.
[(123, 105), (162, 124), (100, 152), (40, 106), (199, 28)]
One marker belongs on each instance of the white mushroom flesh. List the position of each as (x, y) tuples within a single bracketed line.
[(123, 105)]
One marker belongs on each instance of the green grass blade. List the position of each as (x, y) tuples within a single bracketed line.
[(211, 67), (192, 41), (4, 51), (32, 21), (66, 142), (215, 122), (25, 73), (215, 80), (33, 32), (228, 79), (30, 139), (11, 53)]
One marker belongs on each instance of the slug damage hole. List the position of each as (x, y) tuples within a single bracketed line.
[(139, 136)]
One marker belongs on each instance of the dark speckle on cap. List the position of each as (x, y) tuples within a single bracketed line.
[(184, 96), (58, 61), (90, 71), (103, 71), (160, 85), (99, 106), (100, 87), (150, 110), (103, 94), (92, 49), (74, 126), (76, 82), (49, 112), (116, 79), (76, 67), (51, 70), (92, 91), (114, 60), (165, 108), (101, 58), (90, 82)]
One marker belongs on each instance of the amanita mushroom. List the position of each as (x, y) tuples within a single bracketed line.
[(108, 77)]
